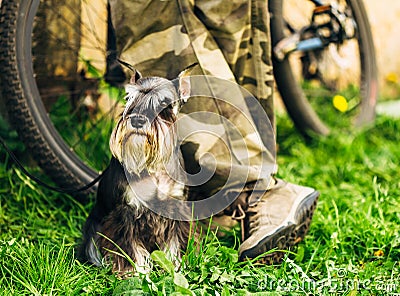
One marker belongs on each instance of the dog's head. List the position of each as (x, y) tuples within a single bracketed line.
[(145, 138)]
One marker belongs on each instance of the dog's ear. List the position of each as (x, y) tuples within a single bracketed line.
[(184, 83), (135, 76)]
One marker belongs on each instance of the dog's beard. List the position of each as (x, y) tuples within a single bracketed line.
[(149, 150), (135, 156)]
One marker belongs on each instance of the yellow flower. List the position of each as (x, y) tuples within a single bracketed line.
[(392, 77), (379, 253), (340, 103)]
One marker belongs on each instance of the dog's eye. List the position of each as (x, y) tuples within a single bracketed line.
[(164, 104)]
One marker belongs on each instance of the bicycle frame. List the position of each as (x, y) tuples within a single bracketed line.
[(336, 30)]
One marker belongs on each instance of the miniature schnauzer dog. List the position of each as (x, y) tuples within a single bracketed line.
[(142, 144)]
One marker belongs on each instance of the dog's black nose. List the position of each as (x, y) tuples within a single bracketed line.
[(138, 120)]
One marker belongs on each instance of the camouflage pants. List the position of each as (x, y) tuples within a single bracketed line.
[(229, 40)]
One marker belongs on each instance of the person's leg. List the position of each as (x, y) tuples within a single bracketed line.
[(281, 217)]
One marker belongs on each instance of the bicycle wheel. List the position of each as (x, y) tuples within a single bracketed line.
[(53, 62), (330, 87)]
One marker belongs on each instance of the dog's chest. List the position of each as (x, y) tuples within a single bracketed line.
[(156, 188)]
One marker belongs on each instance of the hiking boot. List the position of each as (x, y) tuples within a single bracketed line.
[(279, 220)]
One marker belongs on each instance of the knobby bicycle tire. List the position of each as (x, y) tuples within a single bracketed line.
[(23, 102), (297, 104)]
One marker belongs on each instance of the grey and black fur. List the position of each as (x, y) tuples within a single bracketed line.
[(143, 145)]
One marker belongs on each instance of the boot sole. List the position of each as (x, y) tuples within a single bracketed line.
[(286, 236)]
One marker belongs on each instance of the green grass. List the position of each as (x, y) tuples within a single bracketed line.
[(84, 132), (353, 246)]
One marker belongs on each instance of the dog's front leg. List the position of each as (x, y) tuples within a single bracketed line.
[(89, 250)]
